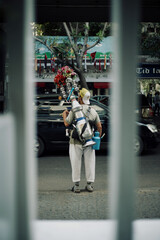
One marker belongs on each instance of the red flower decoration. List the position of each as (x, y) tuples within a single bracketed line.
[(62, 74)]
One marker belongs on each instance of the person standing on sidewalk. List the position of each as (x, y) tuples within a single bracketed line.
[(76, 149), (157, 103)]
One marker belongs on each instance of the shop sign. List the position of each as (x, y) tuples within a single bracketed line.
[(148, 71), (102, 49)]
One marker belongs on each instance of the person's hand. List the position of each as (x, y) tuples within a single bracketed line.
[(65, 113)]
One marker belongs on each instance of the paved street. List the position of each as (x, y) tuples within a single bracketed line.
[(56, 201)]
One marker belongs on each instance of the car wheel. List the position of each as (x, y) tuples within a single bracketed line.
[(138, 145), (39, 147)]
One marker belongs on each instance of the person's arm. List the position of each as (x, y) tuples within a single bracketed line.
[(65, 114), (99, 128), (97, 122)]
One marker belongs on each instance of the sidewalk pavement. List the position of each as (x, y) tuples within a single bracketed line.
[(56, 201)]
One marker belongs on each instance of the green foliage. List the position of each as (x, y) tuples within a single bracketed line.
[(95, 29), (100, 35), (77, 30), (148, 42), (51, 29), (151, 45), (65, 48), (86, 27), (57, 29)]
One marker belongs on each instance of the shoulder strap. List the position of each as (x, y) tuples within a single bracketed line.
[(88, 112), (83, 129)]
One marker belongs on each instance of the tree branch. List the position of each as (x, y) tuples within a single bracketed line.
[(104, 28), (77, 28), (52, 49), (85, 38), (93, 44), (74, 34), (69, 36), (44, 43), (70, 24), (72, 65), (99, 39)]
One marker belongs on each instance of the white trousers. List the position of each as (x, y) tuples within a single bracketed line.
[(76, 152)]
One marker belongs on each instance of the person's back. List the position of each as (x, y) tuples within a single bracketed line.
[(89, 112), (157, 103), (156, 98), (91, 116)]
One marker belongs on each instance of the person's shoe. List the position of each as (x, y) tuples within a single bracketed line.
[(89, 187), (76, 189)]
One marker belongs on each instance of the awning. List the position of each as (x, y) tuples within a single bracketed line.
[(40, 84), (102, 84)]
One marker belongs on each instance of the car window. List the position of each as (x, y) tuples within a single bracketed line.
[(58, 108), (99, 110)]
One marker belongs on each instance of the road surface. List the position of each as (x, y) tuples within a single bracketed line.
[(56, 201)]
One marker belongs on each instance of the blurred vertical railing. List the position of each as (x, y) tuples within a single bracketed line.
[(7, 177), (122, 161), (21, 121), (20, 52)]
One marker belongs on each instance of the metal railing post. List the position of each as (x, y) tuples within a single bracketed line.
[(20, 49), (122, 160)]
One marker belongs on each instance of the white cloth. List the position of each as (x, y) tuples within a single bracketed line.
[(93, 116), (76, 151)]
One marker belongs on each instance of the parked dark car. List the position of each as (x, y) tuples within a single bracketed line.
[(102, 99), (105, 101), (47, 99), (51, 132), (99, 97)]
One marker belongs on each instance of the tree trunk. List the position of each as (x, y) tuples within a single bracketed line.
[(82, 80), (79, 71)]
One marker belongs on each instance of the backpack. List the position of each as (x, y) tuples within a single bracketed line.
[(75, 134)]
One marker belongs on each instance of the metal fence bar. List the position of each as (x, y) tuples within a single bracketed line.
[(7, 177), (122, 160), (20, 49)]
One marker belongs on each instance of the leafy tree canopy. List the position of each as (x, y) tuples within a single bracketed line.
[(149, 42), (57, 29), (73, 30)]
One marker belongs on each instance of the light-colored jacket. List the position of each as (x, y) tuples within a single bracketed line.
[(93, 116)]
